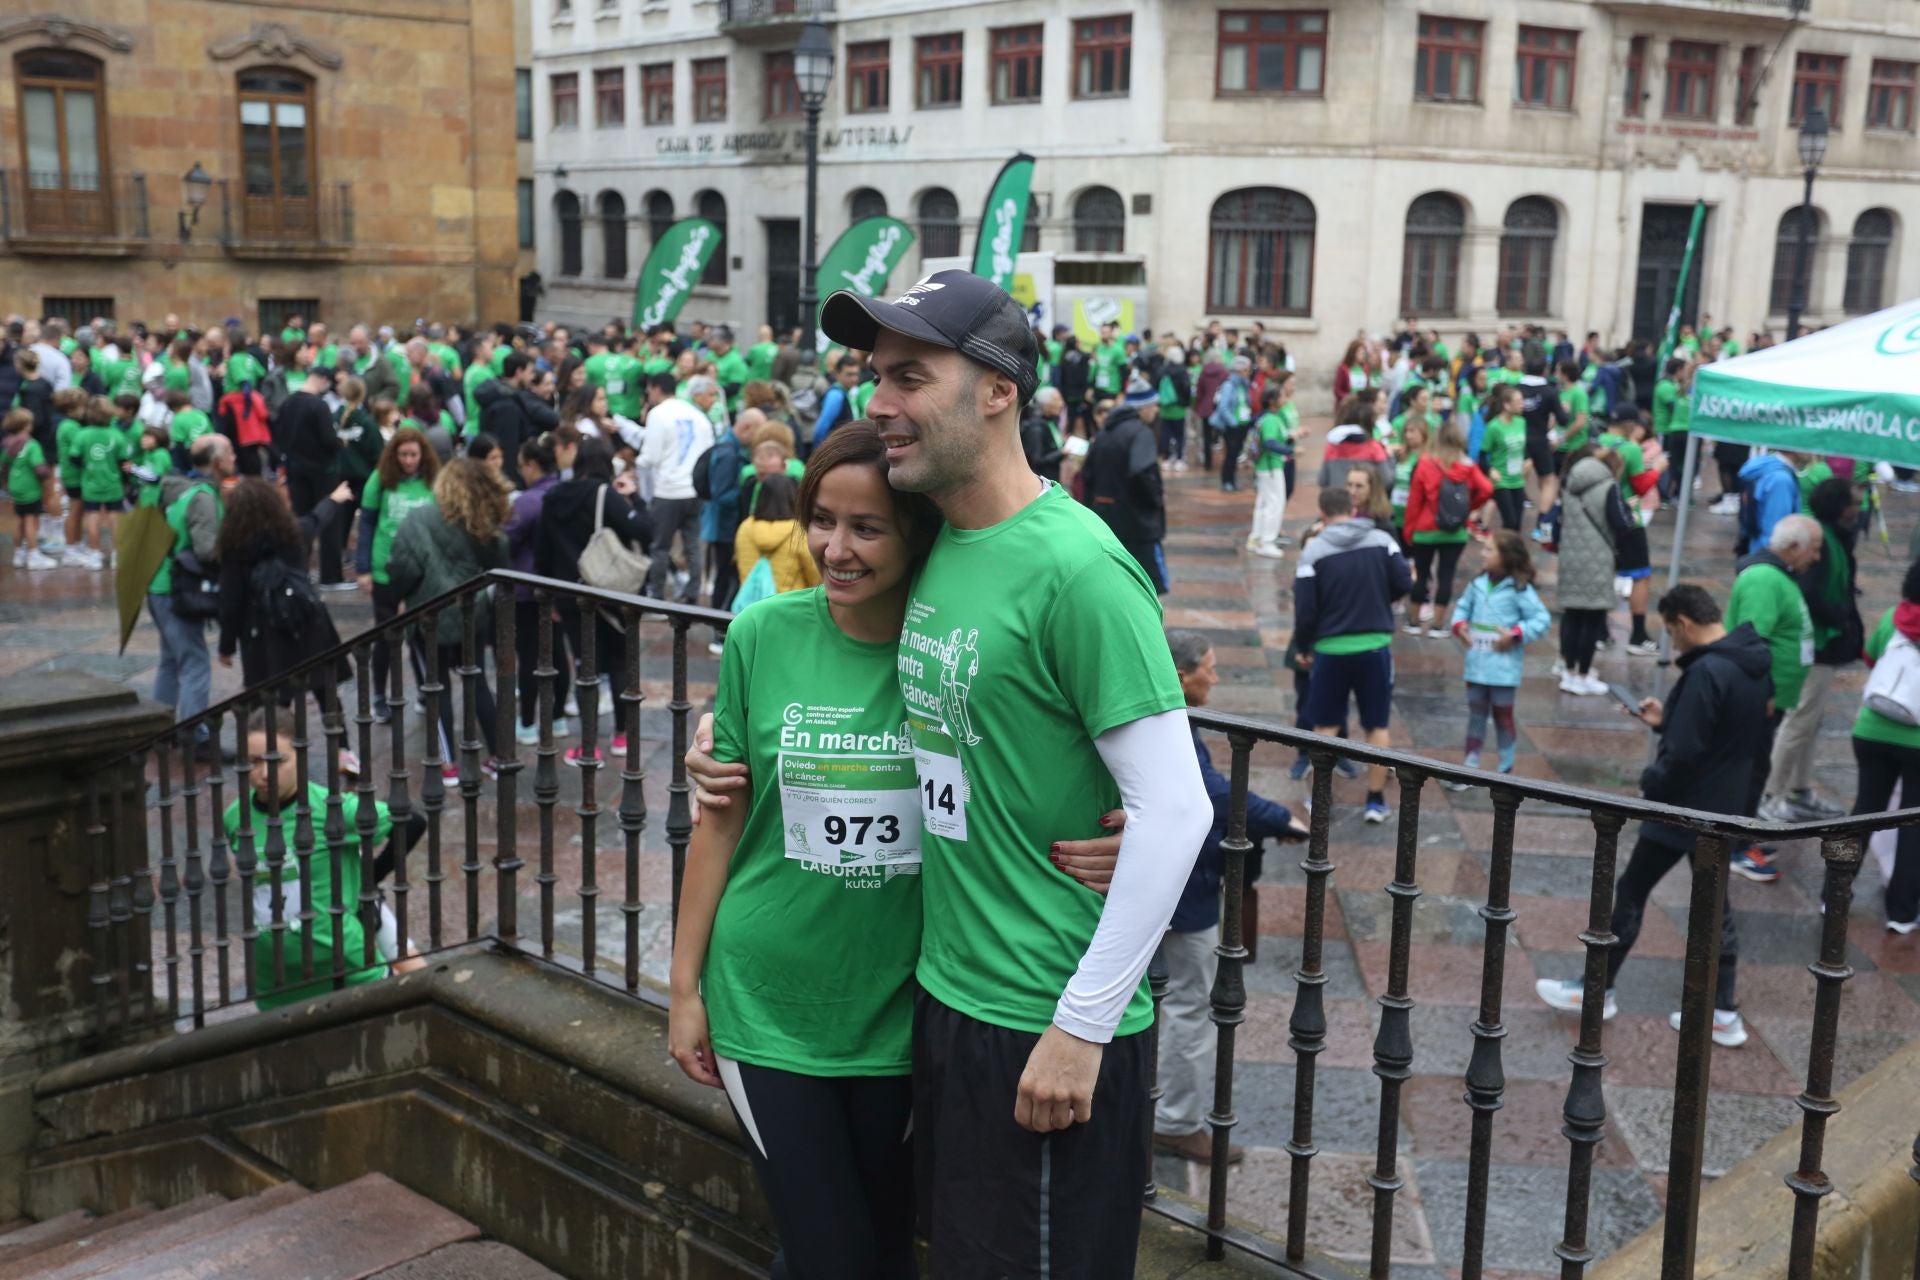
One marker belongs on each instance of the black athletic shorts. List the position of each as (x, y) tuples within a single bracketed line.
[(34, 508), (1001, 1201), (1630, 551), (1540, 454)]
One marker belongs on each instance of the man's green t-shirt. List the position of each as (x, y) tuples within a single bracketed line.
[(187, 426), (730, 370), (1768, 597), (242, 367), (1503, 374), (177, 377), (831, 850), (656, 364), (293, 335), (100, 451), (320, 873), (1671, 410), (64, 436), (1575, 401), (1632, 458), (1109, 363), (1506, 445), (470, 385), (760, 358), (1596, 394), (858, 400), (1817, 471), (1023, 643), (402, 371), (449, 358), (176, 517), (626, 388), (23, 475), (596, 367), (501, 351), (392, 506), (160, 463)]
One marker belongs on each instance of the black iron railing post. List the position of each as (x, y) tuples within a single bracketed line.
[(1158, 982), (1308, 1026), (335, 825), (1809, 1182), (195, 882), (303, 827), (1229, 995), (633, 799), (470, 676), (1393, 1045), (506, 854), (366, 822), (276, 844), (679, 791), (1486, 1075), (245, 862), (132, 895), (1586, 1105), (546, 773), (219, 870), (587, 698), (169, 874), (1706, 905), (433, 762)]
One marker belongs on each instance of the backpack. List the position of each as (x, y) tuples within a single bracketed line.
[(758, 586), (1893, 687), (703, 475), (286, 598), (1451, 504)]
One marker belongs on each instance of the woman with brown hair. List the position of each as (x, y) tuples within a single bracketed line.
[(259, 529), (401, 484), (441, 546)]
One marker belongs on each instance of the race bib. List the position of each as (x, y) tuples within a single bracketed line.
[(615, 386), (1399, 496), (943, 794), (1484, 637), (851, 811), (1515, 463)]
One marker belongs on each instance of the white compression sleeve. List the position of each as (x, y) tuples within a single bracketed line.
[(1168, 814)]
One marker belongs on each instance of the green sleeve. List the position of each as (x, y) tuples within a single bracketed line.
[(1103, 644), (730, 737)]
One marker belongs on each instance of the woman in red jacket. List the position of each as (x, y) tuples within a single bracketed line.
[(1437, 530)]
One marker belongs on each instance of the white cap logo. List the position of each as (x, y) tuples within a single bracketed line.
[(926, 284)]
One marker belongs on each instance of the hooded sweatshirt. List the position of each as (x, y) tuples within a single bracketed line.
[(1767, 595), (1344, 588), (1870, 724), (1714, 720), (1772, 492), (1123, 479), (1349, 446)]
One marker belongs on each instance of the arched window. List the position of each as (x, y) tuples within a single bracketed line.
[(566, 207), (1867, 256), (659, 216), (1030, 230), (1786, 249), (1430, 268), (276, 152), (713, 207), (866, 203), (1260, 252), (613, 235), (65, 137), (1526, 257), (1099, 221), (939, 224)]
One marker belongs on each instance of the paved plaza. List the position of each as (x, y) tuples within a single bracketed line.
[(63, 620)]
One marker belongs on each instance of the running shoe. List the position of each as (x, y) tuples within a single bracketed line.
[(1644, 648), (1376, 812), (1559, 667), (716, 648), (37, 561), (1566, 996), (1728, 505), (348, 585), (1348, 768), (382, 712), (1595, 684), (1752, 863), (1270, 553), (20, 557), (1438, 633), (576, 754), (1571, 682), (1298, 769), (527, 735), (1729, 1030), (349, 762), (450, 774), (1471, 762), (1902, 928), (1815, 806)]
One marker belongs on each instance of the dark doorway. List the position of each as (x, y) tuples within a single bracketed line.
[(783, 273), (1663, 246)]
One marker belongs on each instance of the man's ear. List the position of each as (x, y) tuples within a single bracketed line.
[(1002, 394)]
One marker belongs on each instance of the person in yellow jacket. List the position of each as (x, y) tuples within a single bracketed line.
[(771, 533)]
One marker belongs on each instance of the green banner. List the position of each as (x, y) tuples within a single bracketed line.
[(1878, 427), (1003, 220), (671, 271), (1671, 337), (863, 257)]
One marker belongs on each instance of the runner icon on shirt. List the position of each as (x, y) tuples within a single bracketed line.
[(956, 681)]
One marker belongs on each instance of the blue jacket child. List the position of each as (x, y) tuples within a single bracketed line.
[(1491, 609)]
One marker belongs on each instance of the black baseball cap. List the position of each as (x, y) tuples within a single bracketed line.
[(954, 309)]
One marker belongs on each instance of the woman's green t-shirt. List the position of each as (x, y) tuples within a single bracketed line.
[(1274, 439), (1870, 724), (810, 967), (393, 507)]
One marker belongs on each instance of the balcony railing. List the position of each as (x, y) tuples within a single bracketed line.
[(749, 13), (205, 888), (318, 222), (107, 215)]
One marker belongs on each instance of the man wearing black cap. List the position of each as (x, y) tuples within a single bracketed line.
[(1039, 692), (303, 428)]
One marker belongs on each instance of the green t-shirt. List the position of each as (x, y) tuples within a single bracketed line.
[(1276, 440), (23, 475), (831, 849), (449, 358), (1596, 394), (760, 358), (242, 367), (626, 387), (730, 370), (1671, 410), (320, 874), (1633, 458), (1576, 402), (187, 426), (1402, 485), (1353, 642), (295, 336), (1506, 444), (121, 376), (1445, 352), (470, 384), (1870, 724), (160, 463), (501, 351), (402, 371), (64, 436), (393, 507), (1503, 374), (100, 451), (177, 378), (1810, 479), (1768, 597), (1008, 678), (858, 400), (656, 364), (1109, 367), (327, 357)]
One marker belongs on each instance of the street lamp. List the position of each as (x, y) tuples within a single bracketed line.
[(1813, 149), (194, 185), (812, 73)]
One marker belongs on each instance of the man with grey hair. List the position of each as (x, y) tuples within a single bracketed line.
[(1041, 437), (1766, 593), (1187, 952), (677, 436), (45, 343)]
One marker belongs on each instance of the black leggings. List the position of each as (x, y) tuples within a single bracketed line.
[(1647, 865), (456, 689), (1730, 457), (1512, 505), (1581, 631), (834, 1159), (386, 607), (1882, 764), (526, 648), (609, 646), (1424, 554), (1235, 439)]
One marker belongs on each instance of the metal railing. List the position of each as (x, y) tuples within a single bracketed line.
[(735, 12), (42, 207), (317, 219), (204, 873)]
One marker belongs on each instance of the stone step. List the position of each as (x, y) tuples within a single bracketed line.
[(44, 1236), (350, 1232), (100, 1238), (476, 1260), (209, 1219), (17, 1224)]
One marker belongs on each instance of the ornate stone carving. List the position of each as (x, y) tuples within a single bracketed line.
[(277, 42), (59, 30)]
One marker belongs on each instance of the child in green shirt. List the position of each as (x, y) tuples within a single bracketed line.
[(26, 472), (152, 463), (102, 452), (70, 405)]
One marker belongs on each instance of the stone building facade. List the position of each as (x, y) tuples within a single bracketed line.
[(1320, 167), (360, 160)]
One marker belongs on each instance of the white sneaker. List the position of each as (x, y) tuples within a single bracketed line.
[(1596, 685), (1644, 648), (1270, 553), (39, 560), (1559, 667), (561, 729), (1439, 633), (1567, 996), (527, 735), (1727, 506), (1902, 928), (1571, 683), (75, 558), (20, 557), (1729, 1030), (716, 648)]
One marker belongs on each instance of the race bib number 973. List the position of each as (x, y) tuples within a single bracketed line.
[(852, 811)]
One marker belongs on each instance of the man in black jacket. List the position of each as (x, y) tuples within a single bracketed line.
[(1040, 433), (1710, 727), (1123, 480), (303, 428), (510, 412)]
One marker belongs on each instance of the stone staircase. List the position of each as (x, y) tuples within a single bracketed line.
[(370, 1227)]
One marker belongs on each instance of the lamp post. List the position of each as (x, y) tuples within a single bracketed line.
[(812, 73), (1813, 149), (194, 185)]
